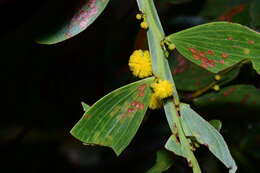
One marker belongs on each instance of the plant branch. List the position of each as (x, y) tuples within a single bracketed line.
[(155, 35)]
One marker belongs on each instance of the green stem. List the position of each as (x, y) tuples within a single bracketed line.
[(161, 69)]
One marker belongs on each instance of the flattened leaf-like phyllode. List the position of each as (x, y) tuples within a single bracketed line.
[(114, 119), (194, 125), (218, 45), (85, 15)]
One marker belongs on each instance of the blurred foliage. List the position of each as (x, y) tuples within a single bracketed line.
[(43, 87)]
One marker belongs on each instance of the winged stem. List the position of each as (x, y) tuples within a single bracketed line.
[(155, 35)]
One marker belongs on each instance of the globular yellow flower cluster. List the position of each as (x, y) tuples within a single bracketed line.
[(162, 89), (140, 63)]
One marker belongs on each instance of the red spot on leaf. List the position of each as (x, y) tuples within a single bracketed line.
[(236, 46), (222, 61), (228, 16), (87, 116), (229, 91), (196, 57), (229, 38), (245, 99), (182, 65), (141, 89), (192, 50), (251, 42), (130, 110), (137, 105), (205, 62), (254, 102), (224, 55), (202, 56), (82, 17), (211, 52)]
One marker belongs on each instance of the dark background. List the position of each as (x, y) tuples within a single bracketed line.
[(43, 86)]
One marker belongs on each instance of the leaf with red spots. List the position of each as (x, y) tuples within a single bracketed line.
[(218, 45), (114, 119), (86, 14), (195, 126), (232, 100), (190, 77)]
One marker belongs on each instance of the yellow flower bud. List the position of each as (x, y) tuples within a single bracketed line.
[(144, 25), (138, 16), (171, 47), (216, 87), (217, 77)]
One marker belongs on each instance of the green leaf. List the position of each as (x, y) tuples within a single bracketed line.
[(218, 45), (174, 145), (216, 123), (164, 161), (114, 119), (194, 125), (85, 15), (190, 77), (235, 99), (85, 106)]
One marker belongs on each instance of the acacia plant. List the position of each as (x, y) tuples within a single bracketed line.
[(219, 47)]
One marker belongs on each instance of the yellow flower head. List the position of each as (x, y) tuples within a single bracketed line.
[(155, 102), (162, 89), (140, 63)]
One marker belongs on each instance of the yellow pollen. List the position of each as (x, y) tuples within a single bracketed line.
[(162, 89), (140, 63)]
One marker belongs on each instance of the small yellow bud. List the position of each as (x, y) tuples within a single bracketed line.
[(217, 77), (171, 46), (144, 25), (139, 16), (197, 145), (216, 87)]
